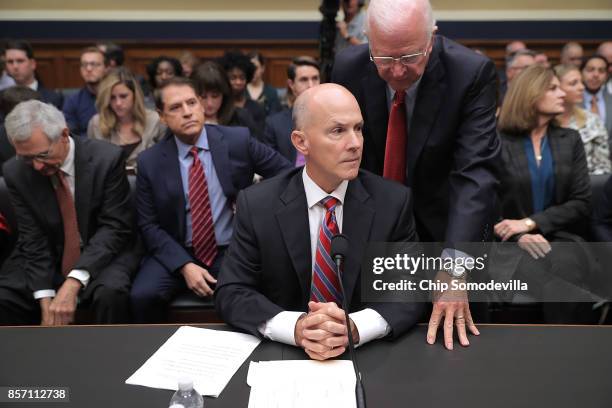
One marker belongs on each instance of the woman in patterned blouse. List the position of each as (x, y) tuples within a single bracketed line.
[(591, 128)]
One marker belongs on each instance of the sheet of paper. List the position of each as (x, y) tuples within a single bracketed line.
[(301, 384), (209, 357)]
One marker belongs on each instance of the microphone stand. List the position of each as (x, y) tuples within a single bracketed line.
[(359, 391)]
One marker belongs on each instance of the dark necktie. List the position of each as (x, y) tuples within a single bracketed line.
[(594, 105), (202, 227), (325, 285), (72, 241), (395, 149)]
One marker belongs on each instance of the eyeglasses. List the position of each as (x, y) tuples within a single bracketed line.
[(405, 60), (40, 157), (91, 64)]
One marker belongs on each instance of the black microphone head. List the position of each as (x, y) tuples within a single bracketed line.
[(339, 246)]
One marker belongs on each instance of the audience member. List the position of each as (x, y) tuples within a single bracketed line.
[(601, 221), (596, 99), (571, 54), (518, 62), (240, 71), (272, 281), (113, 54), (605, 49), (351, 30), (544, 189), (72, 202), (6, 81), (159, 70), (258, 90), (513, 47), (215, 90), (541, 59), (302, 74), (21, 66), (188, 62), (591, 128), (429, 109), (123, 119), (186, 187), (81, 107), (9, 98)]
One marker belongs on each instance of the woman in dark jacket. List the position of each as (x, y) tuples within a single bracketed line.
[(544, 191)]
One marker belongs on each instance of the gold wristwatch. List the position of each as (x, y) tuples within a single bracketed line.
[(530, 224)]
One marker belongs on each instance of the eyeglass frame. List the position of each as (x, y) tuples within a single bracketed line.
[(391, 60), (40, 157), (93, 64)]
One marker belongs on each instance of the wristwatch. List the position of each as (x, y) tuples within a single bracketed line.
[(456, 272), (530, 224)]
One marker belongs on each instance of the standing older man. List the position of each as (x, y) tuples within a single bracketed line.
[(72, 202), (275, 281), (429, 110)]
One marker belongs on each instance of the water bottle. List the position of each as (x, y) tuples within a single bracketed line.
[(186, 396)]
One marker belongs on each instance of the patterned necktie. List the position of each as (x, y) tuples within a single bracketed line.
[(325, 285), (594, 105), (72, 241), (395, 149), (202, 227)]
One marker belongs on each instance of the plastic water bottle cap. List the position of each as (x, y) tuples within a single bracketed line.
[(185, 384)]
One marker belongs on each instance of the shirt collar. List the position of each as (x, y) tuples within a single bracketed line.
[(34, 85), (68, 164), (184, 148), (412, 89), (314, 193), (599, 93)]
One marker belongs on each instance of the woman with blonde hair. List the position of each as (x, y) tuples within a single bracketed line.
[(122, 118), (544, 192), (589, 125)]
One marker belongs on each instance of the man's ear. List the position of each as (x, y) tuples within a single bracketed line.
[(161, 116), (290, 85), (298, 138), (65, 135)]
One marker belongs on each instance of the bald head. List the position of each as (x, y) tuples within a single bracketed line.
[(320, 97), (605, 49)]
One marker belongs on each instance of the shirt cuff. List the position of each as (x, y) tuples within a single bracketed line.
[(370, 325), (281, 327), (44, 293), (80, 275)]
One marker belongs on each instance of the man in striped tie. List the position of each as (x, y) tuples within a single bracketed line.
[(278, 280), (186, 188)]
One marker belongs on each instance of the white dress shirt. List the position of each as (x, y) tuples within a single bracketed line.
[(79, 274), (370, 324)]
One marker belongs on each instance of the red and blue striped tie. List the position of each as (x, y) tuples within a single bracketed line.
[(325, 285), (202, 226)]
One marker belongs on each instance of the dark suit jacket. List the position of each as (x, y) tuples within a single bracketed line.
[(452, 144), (104, 214), (6, 148), (48, 96), (277, 134), (570, 209), (602, 214), (268, 267), (160, 199)]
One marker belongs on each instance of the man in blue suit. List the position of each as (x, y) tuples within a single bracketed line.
[(187, 185)]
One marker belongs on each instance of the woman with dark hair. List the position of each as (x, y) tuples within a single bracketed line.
[(258, 90), (544, 190), (240, 70), (159, 70), (216, 93)]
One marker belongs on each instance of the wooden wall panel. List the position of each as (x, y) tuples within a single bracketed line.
[(58, 63)]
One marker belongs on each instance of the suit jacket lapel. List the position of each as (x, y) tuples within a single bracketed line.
[(425, 113), (356, 225), (294, 226), (171, 170), (82, 187), (221, 161)]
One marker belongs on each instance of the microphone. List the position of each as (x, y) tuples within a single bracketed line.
[(339, 249)]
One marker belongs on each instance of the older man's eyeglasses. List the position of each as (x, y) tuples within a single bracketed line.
[(40, 157), (405, 60)]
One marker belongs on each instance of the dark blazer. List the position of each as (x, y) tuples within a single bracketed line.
[(571, 206), (6, 148), (452, 146), (268, 267), (602, 214), (236, 155), (104, 214), (277, 134), (48, 96)]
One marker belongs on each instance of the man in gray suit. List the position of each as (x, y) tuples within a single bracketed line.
[(71, 198), (596, 99), (302, 74)]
